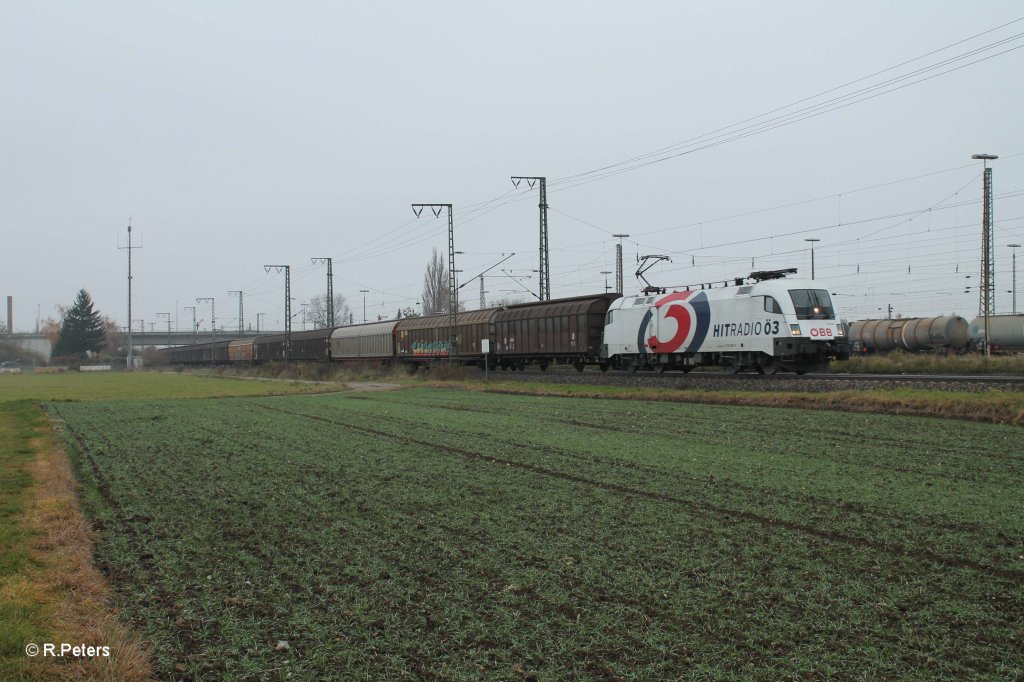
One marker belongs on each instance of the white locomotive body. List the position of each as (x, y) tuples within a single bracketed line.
[(767, 326)]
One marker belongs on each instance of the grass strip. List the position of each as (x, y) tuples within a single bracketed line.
[(140, 386), (50, 591), (20, 605)]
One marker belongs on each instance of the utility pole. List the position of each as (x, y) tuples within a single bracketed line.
[(606, 273), (213, 316), (545, 263), (483, 301), (287, 306), (330, 287), (1014, 271), (364, 292), (195, 326), (131, 247), (305, 307), (988, 280), (258, 316), (453, 290), (812, 240), (241, 327), (618, 262)]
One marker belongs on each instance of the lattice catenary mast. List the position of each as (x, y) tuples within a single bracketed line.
[(545, 262)]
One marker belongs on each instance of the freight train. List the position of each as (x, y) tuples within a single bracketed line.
[(764, 323)]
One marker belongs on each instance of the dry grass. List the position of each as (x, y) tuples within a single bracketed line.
[(73, 594), (899, 362), (997, 407)]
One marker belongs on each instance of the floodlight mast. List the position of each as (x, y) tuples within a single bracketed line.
[(618, 262)]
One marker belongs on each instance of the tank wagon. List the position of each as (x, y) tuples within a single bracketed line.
[(770, 325), (914, 334), (1006, 332)]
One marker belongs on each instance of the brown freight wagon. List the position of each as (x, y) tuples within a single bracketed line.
[(209, 353), (307, 345), (242, 350), (567, 330), (422, 340)]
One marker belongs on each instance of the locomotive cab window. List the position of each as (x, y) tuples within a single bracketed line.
[(771, 305), (812, 304), (608, 320)]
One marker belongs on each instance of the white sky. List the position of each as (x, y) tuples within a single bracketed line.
[(238, 134)]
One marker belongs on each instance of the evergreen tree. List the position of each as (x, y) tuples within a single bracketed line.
[(82, 329)]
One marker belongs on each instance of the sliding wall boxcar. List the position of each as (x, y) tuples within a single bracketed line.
[(562, 330), (422, 339), (374, 341), (242, 350)]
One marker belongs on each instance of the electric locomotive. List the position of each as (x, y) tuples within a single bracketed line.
[(764, 322)]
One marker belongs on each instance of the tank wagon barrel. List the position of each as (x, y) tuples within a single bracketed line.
[(1006, 332), (945, 332)]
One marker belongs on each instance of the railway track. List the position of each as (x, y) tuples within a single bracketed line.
[(778, 382)]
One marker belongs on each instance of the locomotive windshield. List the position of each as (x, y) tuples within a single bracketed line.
[(812, 304)]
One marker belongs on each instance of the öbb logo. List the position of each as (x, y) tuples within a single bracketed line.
[(821, 331)]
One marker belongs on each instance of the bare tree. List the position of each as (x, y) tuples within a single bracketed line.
[(435, 286), (506, 301), (316, 312)]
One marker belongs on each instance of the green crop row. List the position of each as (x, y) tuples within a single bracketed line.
[(438, 533)]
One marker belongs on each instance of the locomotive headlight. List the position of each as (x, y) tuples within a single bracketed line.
[(794, 329)]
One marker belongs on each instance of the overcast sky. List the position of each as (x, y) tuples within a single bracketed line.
[(238, 134)]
